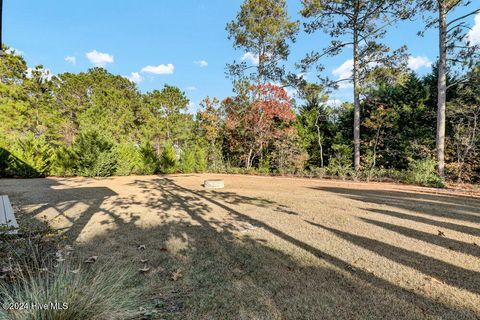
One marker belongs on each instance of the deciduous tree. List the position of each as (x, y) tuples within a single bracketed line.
[(254, 121)]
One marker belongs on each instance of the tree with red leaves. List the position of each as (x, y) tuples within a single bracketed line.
[(255, 118)]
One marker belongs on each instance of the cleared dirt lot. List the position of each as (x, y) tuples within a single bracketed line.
[(272, 248)]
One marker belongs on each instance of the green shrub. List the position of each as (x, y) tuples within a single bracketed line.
[(4, 155), (317, 172), (90, 293), (96, 155), (376, 174), (341, 163), (129, 159), (149, 163), (233, 170), (214, 159), (288, 155), (423, 172), (188, 160), (64, 161), (200, 159), (169, 161), (250, 170), (30, 157), (264, 166)]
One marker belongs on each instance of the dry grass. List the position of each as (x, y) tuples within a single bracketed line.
[(274, 248)]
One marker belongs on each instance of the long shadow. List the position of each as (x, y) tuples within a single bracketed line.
[(216, 199), (442, 224), (227, 276), (51, 194), (452, 244), (12, 166), (444, 206), (445, 272)]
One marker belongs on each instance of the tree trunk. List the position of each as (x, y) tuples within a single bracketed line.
[(248, 163), (319, 136), (261, 61), (157, 144), (442, 91), (1, 31), (375, 146), (356, 101), (260, 72)]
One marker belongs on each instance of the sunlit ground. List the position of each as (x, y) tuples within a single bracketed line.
[(271, 248)]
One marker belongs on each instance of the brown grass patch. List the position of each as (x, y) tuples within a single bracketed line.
[(274, 248)]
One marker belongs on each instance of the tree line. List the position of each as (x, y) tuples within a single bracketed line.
[(264, 28), (399, 126)]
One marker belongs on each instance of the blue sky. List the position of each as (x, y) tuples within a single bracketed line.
[(182, 43)]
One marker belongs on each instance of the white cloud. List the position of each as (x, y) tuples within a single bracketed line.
[(291, 92), (71, 59), (14, 51), (191, 88), (303, 75), (344, 72), (192, 107), (160, 69), (474, 33), (334, 103), (135, 77), (29, 72), (251, 57), (45, 74), (201, 63), (418, 62), (99, 59)]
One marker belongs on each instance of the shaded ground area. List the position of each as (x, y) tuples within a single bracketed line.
[(274, 248)]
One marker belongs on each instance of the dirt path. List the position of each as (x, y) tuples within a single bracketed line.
[(271, 248)]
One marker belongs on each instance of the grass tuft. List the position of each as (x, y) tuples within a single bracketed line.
[(65, 292)]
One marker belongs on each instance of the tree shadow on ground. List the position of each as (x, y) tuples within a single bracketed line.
[(52, 201), (441, 224), (443, 206), (438, 269), (452, 244), (225, 268), (227, 272)]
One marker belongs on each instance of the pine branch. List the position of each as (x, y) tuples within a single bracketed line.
[(463, 17)]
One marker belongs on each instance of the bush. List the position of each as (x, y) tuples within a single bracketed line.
[(376, 174), (96, 155), (169, 161), (233, 170), (423, 172), (288, 155), (129, 159), (149, 163), (264, 166), (96, 293), (341, 163), (188, 160), (4, 155), (30, 157), (214, 159), (316, 172), (200, 159), (64, 161)]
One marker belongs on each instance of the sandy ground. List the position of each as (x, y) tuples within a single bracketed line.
[(276, 248)]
